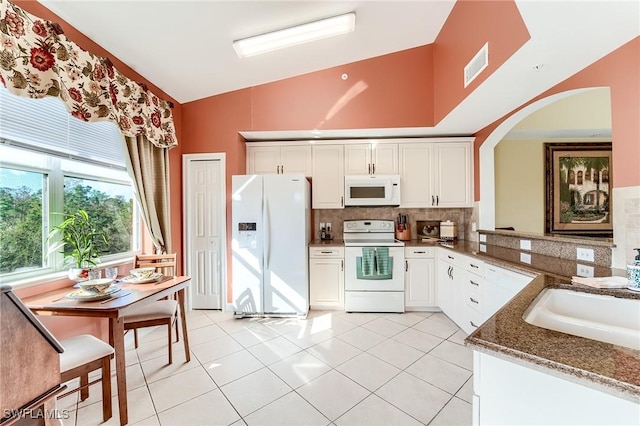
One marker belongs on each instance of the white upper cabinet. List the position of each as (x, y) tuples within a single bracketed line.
[(453, 177), (370, 159), (438, 174), (415, 175), (286, 159), (327, 184), (434, 172)]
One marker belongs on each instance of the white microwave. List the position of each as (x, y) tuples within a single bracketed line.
[(374, 190)]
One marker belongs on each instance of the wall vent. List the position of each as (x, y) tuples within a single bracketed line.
[(479, 62)]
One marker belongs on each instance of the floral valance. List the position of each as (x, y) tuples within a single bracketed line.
[(37, 60)]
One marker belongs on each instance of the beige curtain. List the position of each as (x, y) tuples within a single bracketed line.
[(149, 169)]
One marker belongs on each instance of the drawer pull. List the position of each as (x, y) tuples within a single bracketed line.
[(474, 266), (419, 252), (474, 283), (472, 324), (473, 300), (326, 252), (450, 257)]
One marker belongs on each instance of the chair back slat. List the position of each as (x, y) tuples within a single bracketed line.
[(165, 263)]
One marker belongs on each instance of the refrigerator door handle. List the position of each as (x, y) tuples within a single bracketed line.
[(266, 234)]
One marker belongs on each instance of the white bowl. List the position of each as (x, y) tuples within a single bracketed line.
[(142, 273), (98, 285)]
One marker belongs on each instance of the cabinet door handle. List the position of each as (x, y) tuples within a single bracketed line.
[(472, 324), (450, 272), (437, 200), (342, 265), (474, 283), (369, 165), (473, 266), (374, 168), (473, 300), (282, 169), (433, 200), (406, 265), (341, 201)]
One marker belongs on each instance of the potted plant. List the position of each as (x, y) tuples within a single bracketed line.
[(86, 243)]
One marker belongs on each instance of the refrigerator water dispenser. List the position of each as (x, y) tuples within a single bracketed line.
[(247, 235)]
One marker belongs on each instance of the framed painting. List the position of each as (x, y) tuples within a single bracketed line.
[(578, 188)]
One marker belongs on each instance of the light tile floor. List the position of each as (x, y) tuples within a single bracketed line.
[(332, 368)]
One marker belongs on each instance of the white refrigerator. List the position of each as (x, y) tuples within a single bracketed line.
[(270, 237)]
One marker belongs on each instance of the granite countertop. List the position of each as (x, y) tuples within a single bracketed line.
[(603, 366), (327, 243)]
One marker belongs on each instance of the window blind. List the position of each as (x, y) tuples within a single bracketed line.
[(45, 125)]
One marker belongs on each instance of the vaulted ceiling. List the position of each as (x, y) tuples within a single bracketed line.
[(185, 47)]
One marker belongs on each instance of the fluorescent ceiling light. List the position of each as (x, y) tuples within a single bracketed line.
[(295, 35)]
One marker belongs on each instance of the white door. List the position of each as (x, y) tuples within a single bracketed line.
[(205, 228)]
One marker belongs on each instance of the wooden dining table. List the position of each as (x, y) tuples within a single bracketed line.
[(128, 299)]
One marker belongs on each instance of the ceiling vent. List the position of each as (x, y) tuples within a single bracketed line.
[(476, 65)]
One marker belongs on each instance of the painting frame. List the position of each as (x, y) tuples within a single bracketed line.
[(578, 184)]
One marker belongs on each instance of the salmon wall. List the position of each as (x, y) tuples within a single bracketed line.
[(619, 71), (394, 90), (468, 27), (63, 327)]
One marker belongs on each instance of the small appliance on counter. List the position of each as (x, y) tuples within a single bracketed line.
[(325, 231), (448, 230), (403, 229)]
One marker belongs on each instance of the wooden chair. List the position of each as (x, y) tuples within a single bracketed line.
[(82, 355), (161, 312)]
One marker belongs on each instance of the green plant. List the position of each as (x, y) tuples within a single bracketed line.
[(81, 242)]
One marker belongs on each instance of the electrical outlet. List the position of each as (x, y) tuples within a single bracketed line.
[(483, 248), (483, 238), (525, 258), (525, 244), (584, 271), (584, 254)]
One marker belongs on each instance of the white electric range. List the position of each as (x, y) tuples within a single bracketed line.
[(374, 267)]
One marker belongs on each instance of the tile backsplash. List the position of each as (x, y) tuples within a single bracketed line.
[(336, 216)]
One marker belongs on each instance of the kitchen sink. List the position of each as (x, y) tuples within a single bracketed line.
[(594, 316)]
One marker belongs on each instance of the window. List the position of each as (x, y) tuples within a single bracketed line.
[(52, 164)]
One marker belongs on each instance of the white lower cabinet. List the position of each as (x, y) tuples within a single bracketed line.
[(500, 287), (509, 393), (470, 291), (419, 279), (459, 289), (326, 277)]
